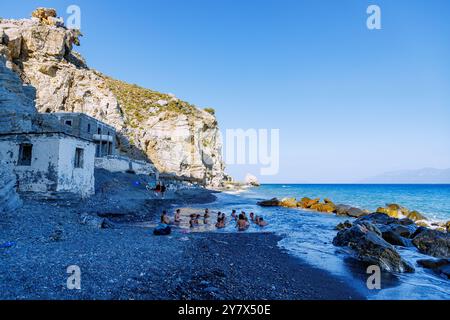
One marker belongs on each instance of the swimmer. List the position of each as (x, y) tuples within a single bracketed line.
[(242, 224), (165, 218)]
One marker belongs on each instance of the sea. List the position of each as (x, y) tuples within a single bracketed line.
[(309, 235)]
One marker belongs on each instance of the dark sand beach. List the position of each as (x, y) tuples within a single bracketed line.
[(127, 261)]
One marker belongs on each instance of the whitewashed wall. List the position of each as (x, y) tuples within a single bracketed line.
[(52, 166), (71, 179), (122, 164), (41, 176)]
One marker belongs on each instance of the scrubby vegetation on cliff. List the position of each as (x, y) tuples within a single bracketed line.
[(138, 102)]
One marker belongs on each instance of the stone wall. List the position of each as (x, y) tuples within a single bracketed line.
[(122, 164)]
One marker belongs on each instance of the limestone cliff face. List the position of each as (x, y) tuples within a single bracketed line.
[(176, 136)]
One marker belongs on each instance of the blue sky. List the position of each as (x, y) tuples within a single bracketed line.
[(349, 102)]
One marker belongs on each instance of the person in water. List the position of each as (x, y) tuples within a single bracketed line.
[(233, 214), (165, 218), (220, 221), (245, 216), (261, 222), (192, 222), (177, 217), (206, 214), (252, 216), (206, 218), (242, 224), (197, 217)]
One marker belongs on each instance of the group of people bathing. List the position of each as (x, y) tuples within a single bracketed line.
[(242, 221)]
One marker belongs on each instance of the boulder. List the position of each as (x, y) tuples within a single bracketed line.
[(405, 231), (440, 266), (395, 239), (312, 202), (433, 243), (274, 202), (406, 222), (418, 231), (251, 180), (45, 15), (303, 202), (378, 218), (369, 247), (394, 210), (356, 212), (342, 209), (95, 221), (288, 202), (327, 200), (343, 225), (447, 226), (324, 207), (416, 216), (390, 212), (394, 231), (423, 223)]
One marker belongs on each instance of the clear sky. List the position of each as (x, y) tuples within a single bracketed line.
[(349, 102)]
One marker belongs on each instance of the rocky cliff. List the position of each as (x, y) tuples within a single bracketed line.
[(176, 136)]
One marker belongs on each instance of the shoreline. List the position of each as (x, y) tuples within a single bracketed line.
[(126, 262)]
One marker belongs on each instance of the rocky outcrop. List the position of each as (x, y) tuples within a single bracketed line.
[(175, 135), (396, 211), (16, 100), (396, 232), (288, 203), (434, 243), (366, 243), (343, 225), (9, 200), (274, 202), (327, 206), (251, 180), (440, 266)]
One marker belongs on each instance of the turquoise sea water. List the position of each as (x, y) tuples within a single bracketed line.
[(309, 235)]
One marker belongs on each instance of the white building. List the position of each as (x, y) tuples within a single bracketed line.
[(52, 157)]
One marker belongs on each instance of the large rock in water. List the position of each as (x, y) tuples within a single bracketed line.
[(366, 242), (251, 180), (346, 210), (288, 202), (9, 200), (274, 202), (176, 136), (434, 243), (441, 266), (397, 232)]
